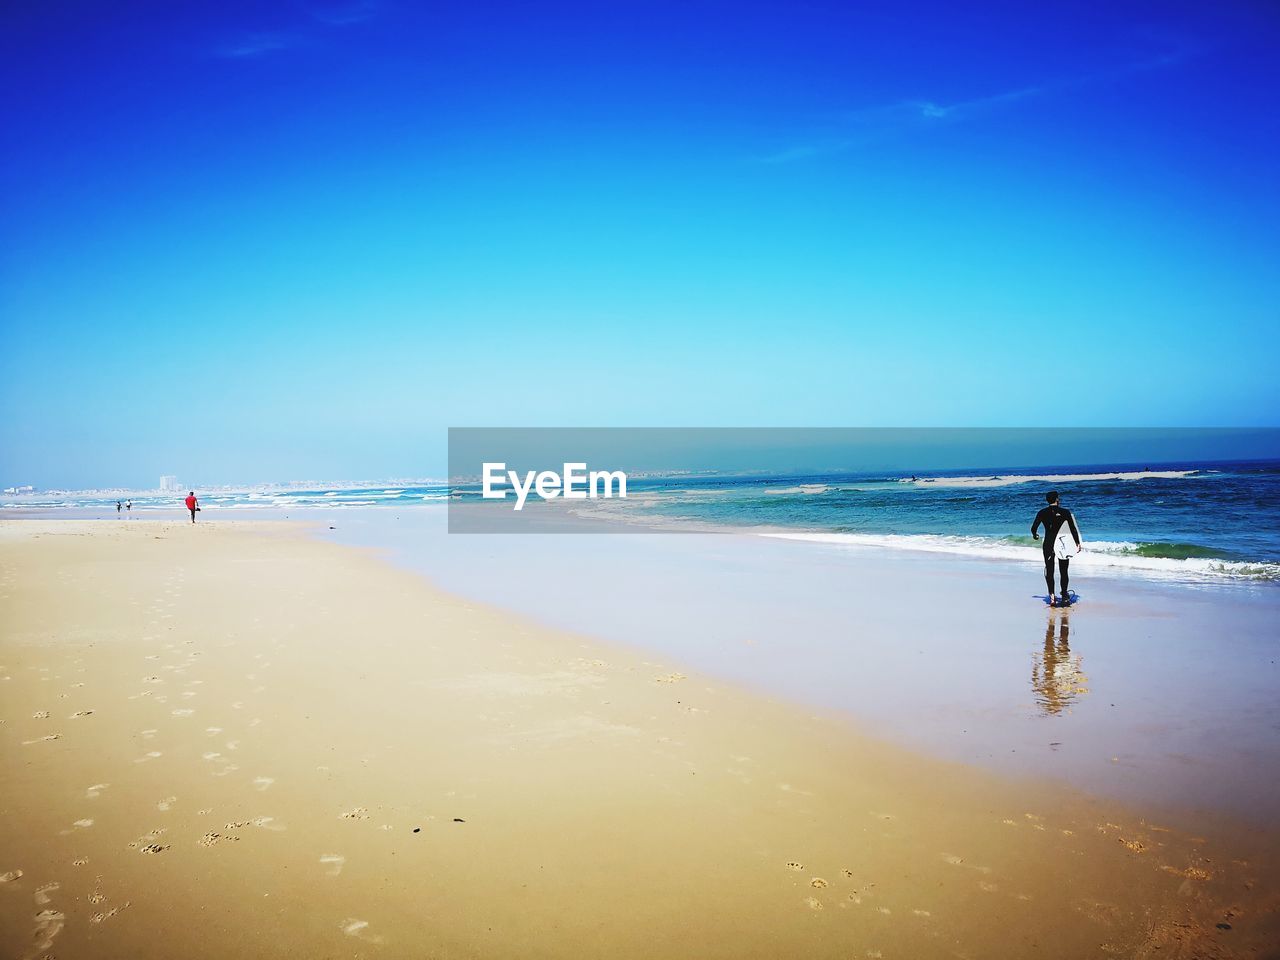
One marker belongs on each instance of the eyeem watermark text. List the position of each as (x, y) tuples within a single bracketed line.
[(576, 483)]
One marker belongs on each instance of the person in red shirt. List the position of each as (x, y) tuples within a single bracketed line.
[(192, 504)]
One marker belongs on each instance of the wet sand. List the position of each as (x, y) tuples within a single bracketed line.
[(1160, 694), (234, 740)]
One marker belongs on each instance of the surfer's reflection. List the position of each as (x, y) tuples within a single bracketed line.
[(1056, 675)]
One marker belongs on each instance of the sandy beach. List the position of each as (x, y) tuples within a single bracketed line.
[(235, 739)]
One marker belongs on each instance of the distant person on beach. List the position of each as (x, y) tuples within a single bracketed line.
[(1053, 517), (192, 504), (128, 506), (117, 508)]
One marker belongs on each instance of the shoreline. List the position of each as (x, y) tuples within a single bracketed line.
[(1106, 562), (607, 799)]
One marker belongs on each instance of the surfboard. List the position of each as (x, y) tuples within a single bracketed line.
[(1064, 544)]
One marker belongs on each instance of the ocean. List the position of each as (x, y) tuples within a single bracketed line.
[(1198, 520)]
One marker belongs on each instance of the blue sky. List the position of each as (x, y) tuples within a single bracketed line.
[(244, 244)]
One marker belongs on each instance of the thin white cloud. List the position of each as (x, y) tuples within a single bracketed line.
[(264, 43), (928, 110), (876, 123), (255, 45)]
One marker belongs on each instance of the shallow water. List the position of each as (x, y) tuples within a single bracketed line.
[(1155, 692)]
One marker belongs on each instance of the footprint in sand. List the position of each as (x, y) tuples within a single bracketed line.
[(150, 756), (359, 813), (955, 861), (335, 862), (83, 824), (1191, 873), (40, 715), (987, 887), (96, 790), (210, 838), (107, 915), (80, 713), (360, 930), (793, 865), (148, 840), (80, 862), (10, 876), (42, 894), (49, 924), (263, 783), (213, 731), (166, 803), (671, 678), (184, 712), (813, 903), (818, 882), (51, 736)]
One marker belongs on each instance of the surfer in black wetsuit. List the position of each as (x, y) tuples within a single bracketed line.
[(1053, 517)]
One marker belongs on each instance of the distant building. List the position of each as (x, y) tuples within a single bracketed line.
[(26, 489), (169, 484)]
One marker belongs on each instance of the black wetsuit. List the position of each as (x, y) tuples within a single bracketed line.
[(1053, 517)]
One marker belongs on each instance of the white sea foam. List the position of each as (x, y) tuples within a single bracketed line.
[(809, 489), (1097, 554), (1009, 480)]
